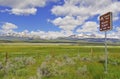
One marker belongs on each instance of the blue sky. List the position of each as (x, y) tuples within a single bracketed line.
[(57, 18)]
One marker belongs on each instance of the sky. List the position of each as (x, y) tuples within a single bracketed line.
[(57, 18)]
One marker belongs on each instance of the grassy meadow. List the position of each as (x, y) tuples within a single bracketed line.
[(34, 61)]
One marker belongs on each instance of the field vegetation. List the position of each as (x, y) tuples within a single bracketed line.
[(58, 62)]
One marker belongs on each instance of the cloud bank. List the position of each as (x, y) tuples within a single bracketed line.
[(9, 30)]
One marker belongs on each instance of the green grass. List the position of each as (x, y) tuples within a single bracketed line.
[(59, 61)]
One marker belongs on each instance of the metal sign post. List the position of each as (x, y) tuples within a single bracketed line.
[(106, 53), (105, 25)]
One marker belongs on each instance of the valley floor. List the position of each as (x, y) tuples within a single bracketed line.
[(57, 61)]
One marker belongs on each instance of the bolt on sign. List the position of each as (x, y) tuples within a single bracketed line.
[(106, 22)]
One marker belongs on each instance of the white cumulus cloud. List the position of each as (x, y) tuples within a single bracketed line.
[(28, 11), (8, 27), (23, 3), (89, 27), (68, 23), (24, 7)]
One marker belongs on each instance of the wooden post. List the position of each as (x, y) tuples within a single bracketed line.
[(52, 53), (6, 62), (6, 57), (91, 51)]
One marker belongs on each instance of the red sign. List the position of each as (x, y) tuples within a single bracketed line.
[(106, 22)]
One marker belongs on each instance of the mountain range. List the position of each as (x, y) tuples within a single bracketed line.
[(81, 38)]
